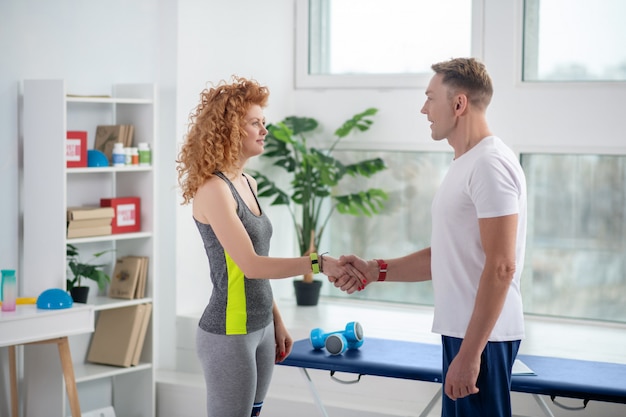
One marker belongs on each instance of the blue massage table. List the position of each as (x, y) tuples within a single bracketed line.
[(555, 377)]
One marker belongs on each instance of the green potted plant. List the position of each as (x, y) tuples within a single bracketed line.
[(84, 270), (314, 173)]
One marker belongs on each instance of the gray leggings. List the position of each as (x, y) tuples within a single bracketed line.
[(237, 370)]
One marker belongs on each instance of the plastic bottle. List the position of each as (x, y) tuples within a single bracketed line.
[(9, 290), (145, 157), (128, 157), (134, 156), (118, 156)]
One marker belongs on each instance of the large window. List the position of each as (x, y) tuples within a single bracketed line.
[(568, 40), (381, 43), (403, 227), (576, 253), (576, 243)]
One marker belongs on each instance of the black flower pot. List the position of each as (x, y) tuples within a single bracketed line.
[(307, 294), (80, 294)]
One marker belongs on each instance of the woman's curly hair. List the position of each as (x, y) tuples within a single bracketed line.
[(216, 131)]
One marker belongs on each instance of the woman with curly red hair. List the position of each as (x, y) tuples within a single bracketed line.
[(241, 334)]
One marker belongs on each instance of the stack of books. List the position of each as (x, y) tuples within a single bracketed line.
[(89, 221), (119, 335), (129, 277)]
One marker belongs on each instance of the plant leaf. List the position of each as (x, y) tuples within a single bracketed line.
[(362, 203), (300, 125), (366, 168), (359, 121)]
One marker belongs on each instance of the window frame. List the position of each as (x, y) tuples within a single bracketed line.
[(304, 80), (522, 61)]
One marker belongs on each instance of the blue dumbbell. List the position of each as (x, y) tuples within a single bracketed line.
[(339, 341)]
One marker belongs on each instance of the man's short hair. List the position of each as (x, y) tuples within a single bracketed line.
[(469, 76)]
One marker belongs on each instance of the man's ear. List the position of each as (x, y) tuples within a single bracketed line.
[(460, 103)]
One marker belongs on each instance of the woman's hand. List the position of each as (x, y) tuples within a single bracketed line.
[(284, 342), (343, 275)]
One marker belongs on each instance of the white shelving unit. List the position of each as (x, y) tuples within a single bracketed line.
[(48, 188)]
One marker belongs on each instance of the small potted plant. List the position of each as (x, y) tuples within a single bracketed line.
[(314, 173), (84, 270)]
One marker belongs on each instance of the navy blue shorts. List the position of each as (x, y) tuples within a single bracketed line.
[(494, 380)]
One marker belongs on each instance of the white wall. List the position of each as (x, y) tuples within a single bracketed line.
[(91, 45), (218, 39), (86, 43)]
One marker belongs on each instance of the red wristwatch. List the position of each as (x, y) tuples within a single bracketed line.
[(382, 270)]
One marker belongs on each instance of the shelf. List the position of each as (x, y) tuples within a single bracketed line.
[(108, 238), (91, 372), (49, 187), (106, 303), (108, 100), (100, 170)]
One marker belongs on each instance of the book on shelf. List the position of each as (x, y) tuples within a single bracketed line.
[(86, 223), (89, 221), (128, 273), (130, 135), (88, 231), (108, 135), (140, 290), (141, 336), (89, 212), (88, 95), (117, 335)]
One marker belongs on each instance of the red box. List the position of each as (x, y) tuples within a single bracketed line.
[(76, 149), (127, 216)]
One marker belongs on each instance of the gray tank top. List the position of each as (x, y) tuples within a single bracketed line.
[(238, 305)]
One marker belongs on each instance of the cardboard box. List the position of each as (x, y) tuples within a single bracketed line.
[(76, 149), (127, 218)]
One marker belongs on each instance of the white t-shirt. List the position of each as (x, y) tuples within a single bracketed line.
[(487, 181)]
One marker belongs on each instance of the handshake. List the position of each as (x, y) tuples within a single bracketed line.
[(351, 273)]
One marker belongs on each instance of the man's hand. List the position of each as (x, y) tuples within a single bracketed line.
[(461, 377), (343, 275), (364, 270)]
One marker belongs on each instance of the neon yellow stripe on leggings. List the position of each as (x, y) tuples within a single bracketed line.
[(236, 313)]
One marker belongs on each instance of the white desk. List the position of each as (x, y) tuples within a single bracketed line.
[(30, 325)]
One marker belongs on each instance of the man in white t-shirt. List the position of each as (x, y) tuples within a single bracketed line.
[(477, 246)]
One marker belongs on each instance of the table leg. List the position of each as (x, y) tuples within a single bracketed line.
[(68, 374), (316, 397), (13, 378), (433, 402), (542, 404)]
